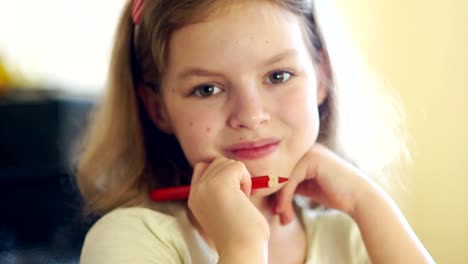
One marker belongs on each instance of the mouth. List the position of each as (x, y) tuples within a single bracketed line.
[(253, 149)]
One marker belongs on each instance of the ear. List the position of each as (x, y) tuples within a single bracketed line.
[(155, 109), (323, 77)]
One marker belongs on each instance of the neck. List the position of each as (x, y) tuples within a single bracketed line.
[(265, 205)]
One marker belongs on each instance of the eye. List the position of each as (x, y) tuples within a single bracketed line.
[(279, 77), (206, 90)]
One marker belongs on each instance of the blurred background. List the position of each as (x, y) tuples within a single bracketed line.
[(420, 47), (53, 63), (54, 57)]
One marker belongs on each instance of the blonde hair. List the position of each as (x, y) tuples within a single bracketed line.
[(123, 156)]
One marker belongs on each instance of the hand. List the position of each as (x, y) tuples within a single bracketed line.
[(219, 200), (328, 179), (325, 178)]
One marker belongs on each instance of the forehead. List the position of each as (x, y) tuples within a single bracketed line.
[(247, 29)]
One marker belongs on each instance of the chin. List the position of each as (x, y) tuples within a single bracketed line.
[(270, 168)]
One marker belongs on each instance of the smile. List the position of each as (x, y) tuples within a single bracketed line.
[(253, 150)]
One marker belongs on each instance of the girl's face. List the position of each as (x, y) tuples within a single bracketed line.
[(242, 85)]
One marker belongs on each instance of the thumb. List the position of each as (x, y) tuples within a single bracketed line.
[(245, 180)]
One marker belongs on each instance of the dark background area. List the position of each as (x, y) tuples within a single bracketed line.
[(40, 207)]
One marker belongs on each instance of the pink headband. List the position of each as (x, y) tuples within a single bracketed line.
[(137, 11)]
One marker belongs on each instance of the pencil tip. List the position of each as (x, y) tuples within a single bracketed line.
[(282, 179)]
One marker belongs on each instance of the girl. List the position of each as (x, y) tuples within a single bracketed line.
[(211, 93)]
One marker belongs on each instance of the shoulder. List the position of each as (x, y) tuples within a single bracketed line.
[(133, 235), (133, 219), (332, 233)]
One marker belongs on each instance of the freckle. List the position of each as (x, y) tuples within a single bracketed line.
[(241, 138), (208, 129), (191, 124)]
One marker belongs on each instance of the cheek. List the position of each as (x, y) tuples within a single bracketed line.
[(195, 133), (299, 109), (300, 114)]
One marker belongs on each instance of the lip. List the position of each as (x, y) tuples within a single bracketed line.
[(253, 149)]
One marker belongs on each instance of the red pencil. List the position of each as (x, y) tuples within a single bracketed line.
[(182, 192)]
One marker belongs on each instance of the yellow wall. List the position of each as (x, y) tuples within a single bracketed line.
[(421, 48)]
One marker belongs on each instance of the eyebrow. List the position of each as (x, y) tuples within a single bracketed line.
[(192, 71)]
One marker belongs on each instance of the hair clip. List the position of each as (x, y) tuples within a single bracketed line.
[(137, 11)]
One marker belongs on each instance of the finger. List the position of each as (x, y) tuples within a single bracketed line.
[(239, 176), (218, 166), (287, 215), (207, 168), (286, 194), (198, 171)]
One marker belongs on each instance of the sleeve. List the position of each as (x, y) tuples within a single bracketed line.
[(357, 246), (335, 238), (133, 235), (348, 239)]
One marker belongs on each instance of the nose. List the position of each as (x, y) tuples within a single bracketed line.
[(248, 110)]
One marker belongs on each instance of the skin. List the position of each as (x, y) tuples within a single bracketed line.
[(253, 98), (246, 106)]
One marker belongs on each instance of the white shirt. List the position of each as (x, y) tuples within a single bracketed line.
[(142, 235)]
